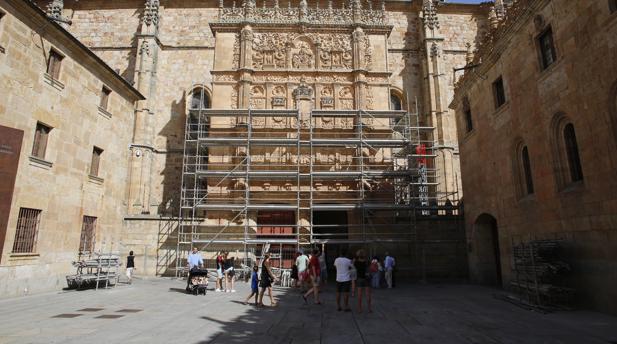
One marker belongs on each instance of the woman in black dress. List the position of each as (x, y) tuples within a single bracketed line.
[(363, 282), (267, 278)]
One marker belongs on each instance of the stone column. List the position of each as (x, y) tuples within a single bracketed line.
[(142, 149), (246, 66)]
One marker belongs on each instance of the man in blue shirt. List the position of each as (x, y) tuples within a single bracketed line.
[(389, 264), (194, 261)]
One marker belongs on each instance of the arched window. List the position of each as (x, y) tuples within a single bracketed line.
[(574, 160), (395, 102), (527, 170), (523, 176), (199, 99), (566, 157)]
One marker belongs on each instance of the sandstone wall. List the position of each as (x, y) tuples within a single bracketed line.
[(60, 185), (578, 85)]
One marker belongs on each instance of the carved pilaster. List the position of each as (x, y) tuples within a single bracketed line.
[(246, 47), (429, 15), (358, 49)]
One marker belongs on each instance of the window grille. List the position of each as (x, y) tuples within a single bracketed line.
[(88, 234), (27, 230)]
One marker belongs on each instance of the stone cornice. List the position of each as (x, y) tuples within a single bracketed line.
[(29, 12), (496, 42)]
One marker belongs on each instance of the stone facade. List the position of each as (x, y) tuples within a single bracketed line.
[(353, 54), (59, 183), (576, 87)]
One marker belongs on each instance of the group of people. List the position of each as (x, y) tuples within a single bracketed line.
[(224, 269), (356, 275)]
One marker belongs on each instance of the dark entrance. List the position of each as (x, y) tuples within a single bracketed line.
[(486, 257), (330, 228)]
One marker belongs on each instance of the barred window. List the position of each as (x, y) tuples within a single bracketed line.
[(53, 64), (105, 92), (88, 234), (27, 230)]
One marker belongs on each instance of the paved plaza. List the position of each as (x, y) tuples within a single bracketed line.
[(158, 311)]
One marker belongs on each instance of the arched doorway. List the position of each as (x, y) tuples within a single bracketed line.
[(486, 255)]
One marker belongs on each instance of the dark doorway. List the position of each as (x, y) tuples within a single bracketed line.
[(486, 256), (330, 227), (278, 224)]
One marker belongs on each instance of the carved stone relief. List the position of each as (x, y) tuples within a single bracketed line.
[(346, 96), (258, 98), (302, 54)]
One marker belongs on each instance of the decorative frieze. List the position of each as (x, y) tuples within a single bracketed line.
[(302, 14)]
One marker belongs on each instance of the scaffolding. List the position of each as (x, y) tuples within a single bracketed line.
[(240, 165)]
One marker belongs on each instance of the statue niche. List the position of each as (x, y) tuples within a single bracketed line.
[(303, 54)]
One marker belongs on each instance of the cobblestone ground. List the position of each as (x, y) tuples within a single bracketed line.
[(158, 311)]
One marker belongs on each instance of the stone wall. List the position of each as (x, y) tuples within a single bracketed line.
[(577, 89), (60, 184)]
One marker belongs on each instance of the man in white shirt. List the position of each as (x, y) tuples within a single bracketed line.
[(343, 280), (389, 263), (302, 265)]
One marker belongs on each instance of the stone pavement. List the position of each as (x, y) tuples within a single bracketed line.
[(158, 311)]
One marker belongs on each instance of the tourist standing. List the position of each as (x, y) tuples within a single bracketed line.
[(363, 280), (267, 277), (229, 273), (130, 266), (323, 269), (294, 272), (194, 261), (314, 269), (254, 286), (220, 267), (302, 265), (353, 275), (389, 264), (343, 280), (375, 272)]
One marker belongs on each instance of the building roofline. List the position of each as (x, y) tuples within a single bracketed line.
[(37, 14)]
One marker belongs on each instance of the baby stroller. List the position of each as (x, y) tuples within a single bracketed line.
[(198, 281)]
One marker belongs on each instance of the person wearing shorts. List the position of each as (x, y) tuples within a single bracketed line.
[(343, 280), (314, 273), (219, 271)]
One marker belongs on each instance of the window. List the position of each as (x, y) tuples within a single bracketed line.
[(96, 160), (395, 102), (548, 55), (499, 92), (27, 230), (88, 233), (523, 178), (612, 5), (527, 170), (105, 92), (199, 99), (53, 64), (467, 114), (566, 159), (574, 161), (40, 140)]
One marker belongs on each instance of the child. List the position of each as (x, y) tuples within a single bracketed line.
[(254, 286)]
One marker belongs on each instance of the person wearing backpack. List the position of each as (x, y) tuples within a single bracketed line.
[(374, 271)]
